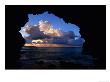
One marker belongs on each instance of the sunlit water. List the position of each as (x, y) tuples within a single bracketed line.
[(56, 58)]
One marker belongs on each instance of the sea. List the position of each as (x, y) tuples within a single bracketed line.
[(54, 58)]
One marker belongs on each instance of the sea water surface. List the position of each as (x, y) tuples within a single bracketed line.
[(54, 58)]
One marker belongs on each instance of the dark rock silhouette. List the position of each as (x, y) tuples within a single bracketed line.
[(14, 40), (93, 29)]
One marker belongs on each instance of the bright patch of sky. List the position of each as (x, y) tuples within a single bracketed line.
[(57, 23)]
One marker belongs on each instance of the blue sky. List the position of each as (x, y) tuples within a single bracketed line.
[(54, 20)]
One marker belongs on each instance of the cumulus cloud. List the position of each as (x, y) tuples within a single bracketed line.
[(45, 31)]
